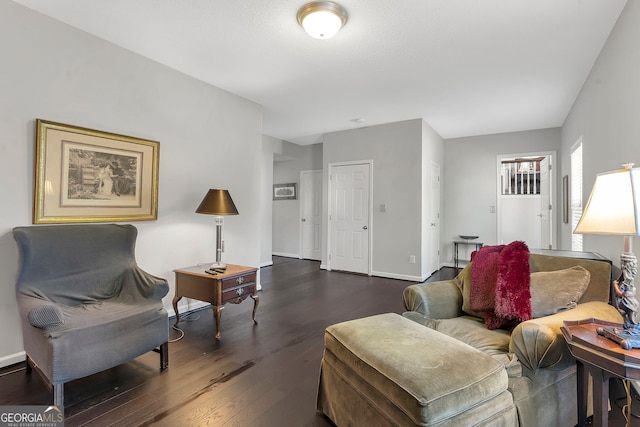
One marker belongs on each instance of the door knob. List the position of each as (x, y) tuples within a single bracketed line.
[(304, 219), (365, 228)]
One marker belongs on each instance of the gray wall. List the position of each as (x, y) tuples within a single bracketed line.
[(208, 138), (470, 177), (606, 115), (398, 151)]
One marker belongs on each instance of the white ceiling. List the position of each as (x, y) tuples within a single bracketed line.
[(468, 67)]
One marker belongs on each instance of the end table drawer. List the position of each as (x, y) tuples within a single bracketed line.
[(239, 292), (234, 282)]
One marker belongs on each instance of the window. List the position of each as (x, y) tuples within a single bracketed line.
[(521, 176), (576, 194)]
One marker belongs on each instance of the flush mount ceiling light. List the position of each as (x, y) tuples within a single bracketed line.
[(322, 19)]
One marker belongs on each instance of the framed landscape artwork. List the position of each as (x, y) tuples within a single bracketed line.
[(85, 175), (284, 192)]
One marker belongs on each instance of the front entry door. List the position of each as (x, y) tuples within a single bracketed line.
[(349, 217)]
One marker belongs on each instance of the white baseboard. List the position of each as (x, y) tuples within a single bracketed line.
[(187, 306), (399, 276), (266, 264), (12, 359), (284, 254)]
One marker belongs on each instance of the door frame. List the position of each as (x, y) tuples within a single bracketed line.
[(301, 231), (434, 264), (553, 197), (370, 208)]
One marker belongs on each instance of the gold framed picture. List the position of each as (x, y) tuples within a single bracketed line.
[(285, 191), (85, 175)]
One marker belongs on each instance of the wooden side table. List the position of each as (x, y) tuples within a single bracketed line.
[(234, 286), (603, 359)]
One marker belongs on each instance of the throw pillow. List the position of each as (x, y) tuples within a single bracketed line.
[(555, 291), (513, 296)]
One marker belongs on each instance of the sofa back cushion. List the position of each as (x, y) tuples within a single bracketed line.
[(74, 264)]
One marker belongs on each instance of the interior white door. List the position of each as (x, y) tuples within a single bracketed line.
[(310, 214), (545, 204), (434, 225), (349, 217)]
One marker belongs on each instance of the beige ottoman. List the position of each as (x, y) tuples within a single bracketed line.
[(387, 370)]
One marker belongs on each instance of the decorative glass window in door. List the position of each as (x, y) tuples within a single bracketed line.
[(521, 176)]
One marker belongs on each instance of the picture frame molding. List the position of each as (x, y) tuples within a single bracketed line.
[(58, 200), (283, 188), (565, 199)]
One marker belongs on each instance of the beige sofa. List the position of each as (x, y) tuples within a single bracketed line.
[(541, 371)]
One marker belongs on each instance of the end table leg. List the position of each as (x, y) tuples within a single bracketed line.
[(217, 312), (175, 309), (600, 396), (256, 300), (582, 385)]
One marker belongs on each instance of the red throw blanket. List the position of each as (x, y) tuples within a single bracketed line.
[(500, 281)]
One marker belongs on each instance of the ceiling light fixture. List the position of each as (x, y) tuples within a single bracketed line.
[(322, 19)]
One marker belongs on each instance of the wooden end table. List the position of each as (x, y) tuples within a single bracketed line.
[(234, 285), (603, 359)]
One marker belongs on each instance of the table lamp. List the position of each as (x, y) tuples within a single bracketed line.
[(613, 209), (218, 202)]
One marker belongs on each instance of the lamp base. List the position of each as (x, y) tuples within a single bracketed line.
[(218, 266), (627, 338)]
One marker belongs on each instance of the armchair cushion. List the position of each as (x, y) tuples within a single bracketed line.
[(469, 330), (554, 291)]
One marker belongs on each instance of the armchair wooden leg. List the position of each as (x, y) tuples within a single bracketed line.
[(164, 356), (29, 367)]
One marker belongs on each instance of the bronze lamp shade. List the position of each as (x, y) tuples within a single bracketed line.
[(218, 202)]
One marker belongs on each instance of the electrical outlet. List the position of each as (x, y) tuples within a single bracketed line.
[(412, 259)]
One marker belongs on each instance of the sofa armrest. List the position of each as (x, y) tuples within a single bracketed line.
[(435, 300), (39, 313), (539, 343), (139, 282)]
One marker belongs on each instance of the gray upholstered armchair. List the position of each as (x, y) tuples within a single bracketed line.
[(84, 303)]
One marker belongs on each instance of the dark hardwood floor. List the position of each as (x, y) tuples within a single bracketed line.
[(263, 375)]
